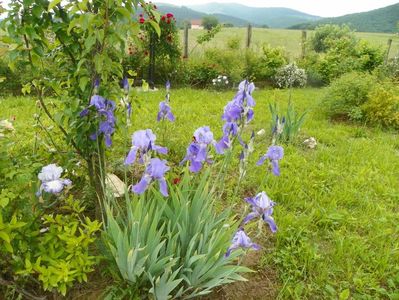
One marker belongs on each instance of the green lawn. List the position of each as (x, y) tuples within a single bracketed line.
[(289, 39), (338, 205)]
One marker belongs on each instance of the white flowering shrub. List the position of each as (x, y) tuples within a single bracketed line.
[(290, 76), (220, 82)]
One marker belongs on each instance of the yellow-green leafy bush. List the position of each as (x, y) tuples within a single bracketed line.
[(382, 106)]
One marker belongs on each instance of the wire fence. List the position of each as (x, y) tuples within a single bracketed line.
[(290, 40)]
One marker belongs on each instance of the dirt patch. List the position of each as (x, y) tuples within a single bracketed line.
[(262, 284)]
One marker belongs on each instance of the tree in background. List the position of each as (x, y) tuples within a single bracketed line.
[(209, 22)]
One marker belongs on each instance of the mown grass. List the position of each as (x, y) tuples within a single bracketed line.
[(338, 204), (289, 39)]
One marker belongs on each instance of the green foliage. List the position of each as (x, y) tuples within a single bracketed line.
[(59, 253), (389, 70), (226, 63), (377, 20), (234, 43), (167, 247), (370, 57), (209, 22), (85, 41), (347, 94), (382, 107), (208, 35), (199, 74), (327, 36), (337, 204), (289, 123), (265, 65), (341, 52), (8, 228)]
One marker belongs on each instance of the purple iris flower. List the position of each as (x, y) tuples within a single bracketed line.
[(167, 86), (230, 128), (96, 84), (237, 113), (98, 102), (107, 128), (250, 115), (245, 89), (223, 144), (155, 170), (125, 85), (143, 141), (204, 135), (105, 108), (241, 240), (196, 155), (165, 112), (84, 113), (274, 154), (51, 181), (197, 151), (262, 207), (129, 109), (232, 111)]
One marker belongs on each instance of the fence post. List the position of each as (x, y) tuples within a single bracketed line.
[(185, 55), (249, 35), (388, 50), (303, 43)]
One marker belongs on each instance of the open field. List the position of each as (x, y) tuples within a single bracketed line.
[(289, 39), (338, 205)]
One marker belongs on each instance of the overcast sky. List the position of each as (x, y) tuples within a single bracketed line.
[(323, 8)]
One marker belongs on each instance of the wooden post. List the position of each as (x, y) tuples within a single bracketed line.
[(303, 43), (388, 50), (249, 35), (185, 55)]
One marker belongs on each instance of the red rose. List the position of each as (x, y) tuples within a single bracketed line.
[(168, 21), (169, 15), (142, 20)]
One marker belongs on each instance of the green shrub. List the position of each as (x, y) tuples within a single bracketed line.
[(234, 43), (226, 62), (176, 247), (370, 57), (326, 36), (382, 106), (200, 74), (12, 80), (336, 51), (389, 70), (347, 94), (59, 255), (269, 62)]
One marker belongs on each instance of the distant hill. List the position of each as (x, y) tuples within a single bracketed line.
[(273, 17), (378, 20), (183, 13)]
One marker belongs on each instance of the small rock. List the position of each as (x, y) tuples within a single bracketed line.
[(116, 185), (261, 132), (311, 143)]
